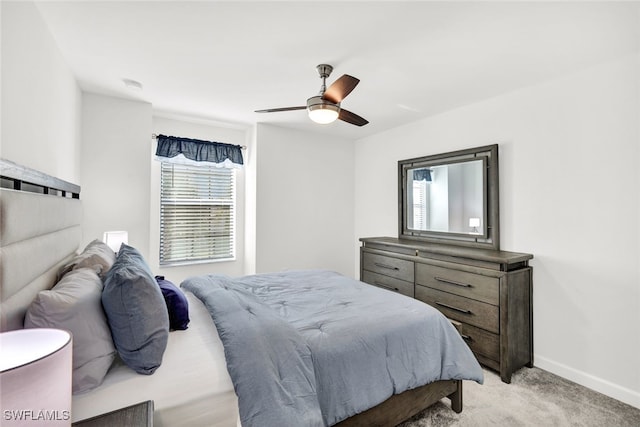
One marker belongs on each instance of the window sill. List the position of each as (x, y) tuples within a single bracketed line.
[(187, 263)]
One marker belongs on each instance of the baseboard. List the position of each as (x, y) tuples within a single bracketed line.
[(623, 394)]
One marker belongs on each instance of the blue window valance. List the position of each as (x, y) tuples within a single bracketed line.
[(422, 175), (187, 150)]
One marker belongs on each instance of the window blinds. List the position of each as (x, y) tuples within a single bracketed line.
[(197, 213), (420, 205)]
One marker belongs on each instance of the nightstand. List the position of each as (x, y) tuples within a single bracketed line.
[(138, 415)]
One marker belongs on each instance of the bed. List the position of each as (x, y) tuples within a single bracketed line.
[(40, 233)]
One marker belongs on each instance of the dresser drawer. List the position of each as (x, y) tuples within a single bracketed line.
[(386, 282), (394, 267), (481, 341), (476, 313), (469, 285)]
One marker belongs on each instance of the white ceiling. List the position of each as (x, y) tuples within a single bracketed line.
[(223, 60)]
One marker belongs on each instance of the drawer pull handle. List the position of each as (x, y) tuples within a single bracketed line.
[(450, 307), (466, 338), (382, 285), (452, 282), (388, 267)]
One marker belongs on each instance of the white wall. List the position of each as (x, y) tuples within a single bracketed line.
[(304, 205), (205, 130), (115, 169), (40, 98), (250, 200), (569, 153)]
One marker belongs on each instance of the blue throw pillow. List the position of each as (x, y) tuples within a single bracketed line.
[(136, 312), (177, 304)]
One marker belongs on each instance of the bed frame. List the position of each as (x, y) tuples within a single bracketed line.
[(40, 230), (400, 407)]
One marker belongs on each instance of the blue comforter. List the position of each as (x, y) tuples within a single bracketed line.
[(311, 348)]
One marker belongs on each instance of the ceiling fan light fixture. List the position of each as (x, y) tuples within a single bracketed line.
[(324, 115), (325, 107), (322, 111)]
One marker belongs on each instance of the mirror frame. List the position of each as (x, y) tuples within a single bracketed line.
[(490, 239)]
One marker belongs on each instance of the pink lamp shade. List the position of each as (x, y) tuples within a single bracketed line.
[(35, 377)]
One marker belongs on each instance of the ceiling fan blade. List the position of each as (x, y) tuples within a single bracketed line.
[(349, 117), (340, 88), (276, 110)]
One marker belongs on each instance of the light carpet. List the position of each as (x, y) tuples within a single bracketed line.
[(534, 398)]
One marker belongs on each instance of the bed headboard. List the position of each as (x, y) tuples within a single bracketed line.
[(40, 230)]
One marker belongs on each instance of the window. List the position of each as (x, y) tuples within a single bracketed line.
[(420, 205), (197, 213)]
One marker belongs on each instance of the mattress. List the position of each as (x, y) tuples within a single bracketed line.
[(191, 388)]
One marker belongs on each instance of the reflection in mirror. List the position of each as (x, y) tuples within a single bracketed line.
[(447, 198)]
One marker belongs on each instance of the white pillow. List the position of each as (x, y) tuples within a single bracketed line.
[(74, 304), (97, 255)]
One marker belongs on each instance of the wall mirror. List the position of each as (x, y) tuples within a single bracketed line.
[(451, 198)]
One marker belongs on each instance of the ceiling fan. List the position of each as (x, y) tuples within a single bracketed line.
[(325, 107)]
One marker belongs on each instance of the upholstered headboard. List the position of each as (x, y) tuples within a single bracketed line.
[(40, 230)]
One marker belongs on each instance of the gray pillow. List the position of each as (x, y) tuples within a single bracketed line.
[(136, 311), (97, 255), (74, 304)]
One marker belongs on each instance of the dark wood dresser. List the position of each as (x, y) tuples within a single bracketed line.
[(488, 291)]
